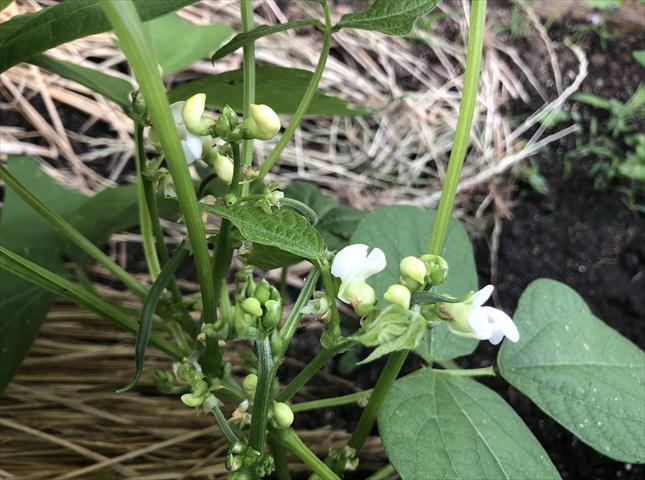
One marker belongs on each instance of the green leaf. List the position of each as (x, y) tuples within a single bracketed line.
[(113, 88), (393, 17), (311, 194), (578, 370), (178, 44), (403, 230), (593, 100), (639, 56), (242, 39), (283, 229), (271, 84), (434, 425), (25, 35), (268, 258), (148, 312)]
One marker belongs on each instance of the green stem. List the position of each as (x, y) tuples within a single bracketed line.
[(332, 331), (262, 398), (148, 240), (331, 402), (248, 66), (289, 439), (304, 102), (462, 134), (34, 273), (293, 319), (284, 274), (383, 473), (309, 371), (127, 25), (281, 461), (224, 426), (70, 232), (468, 372)]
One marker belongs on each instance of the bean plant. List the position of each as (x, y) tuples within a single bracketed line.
[(407, 274)]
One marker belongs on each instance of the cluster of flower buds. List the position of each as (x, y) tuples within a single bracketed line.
[(245, 463), (263, 302), (271, 198), (339, 460), (418, 273)]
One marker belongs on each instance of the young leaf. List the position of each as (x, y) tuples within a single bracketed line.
[(113, 88), (434, 425), (242, 39), (283, 229), (403, 230), (578, 370), (148, 311), (393, 17), (197, 41), (26, 35), (271, 85)]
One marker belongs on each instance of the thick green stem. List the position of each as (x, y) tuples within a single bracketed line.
[(304, 102), (70, 232), (126, 23), (331, 402), (332, 330), (248, 70), (262, 398), (462, 135), (289, 439), (309, 371), (42, 277), (281, 461)]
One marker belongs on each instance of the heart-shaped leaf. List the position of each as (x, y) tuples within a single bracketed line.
[(394, 17), (434, 425), (578, 370)]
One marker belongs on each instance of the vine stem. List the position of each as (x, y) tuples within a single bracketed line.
[(331, 402), (72, 233), (289, 439), (457, 155), (126, 23), (262, 397), (304, 102), (248, 71)]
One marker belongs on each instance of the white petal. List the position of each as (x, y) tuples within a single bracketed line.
[(502, 323), (195, 145), (482, 296), (176, 109), (496, 336), (348, 259), (374, 263), (188, 153), (478, 321)]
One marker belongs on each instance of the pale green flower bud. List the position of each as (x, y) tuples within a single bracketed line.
[(399, 295), (362, 296), (223, 167), (274, 198), (273, 314), (413, 268), (282, 415), (192, 400), (262, 292), (437, 268), (192, 114), (263, 123), (249, 384), (252, 307)]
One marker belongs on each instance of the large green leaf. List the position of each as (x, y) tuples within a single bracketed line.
[(282, 229), (242, 39), (26, 35), (434, 425), (114, 88), (336, 223), (578, 370), (178, 44), (394, 17), (23, 306), (403, 230), (279, 87)]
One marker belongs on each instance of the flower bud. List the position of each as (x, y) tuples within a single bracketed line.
[(363, 297), (457, 316), (192, 400), (192, 112), (273, 314), (413, 268), (263, 123), (273, 198), (252, 307), (262, 292), (437, 268), (249, 384), (199, 388), (250, 287), (277, 342), (282, 415), (138, 103), (399, 295), (223, 167)]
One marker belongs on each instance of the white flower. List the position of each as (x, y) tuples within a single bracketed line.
[(472, 319), (353, 266), (192, 144)]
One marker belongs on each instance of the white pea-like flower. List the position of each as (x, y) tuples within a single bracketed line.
[(191, 144), (354, 266), (471, 319)]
